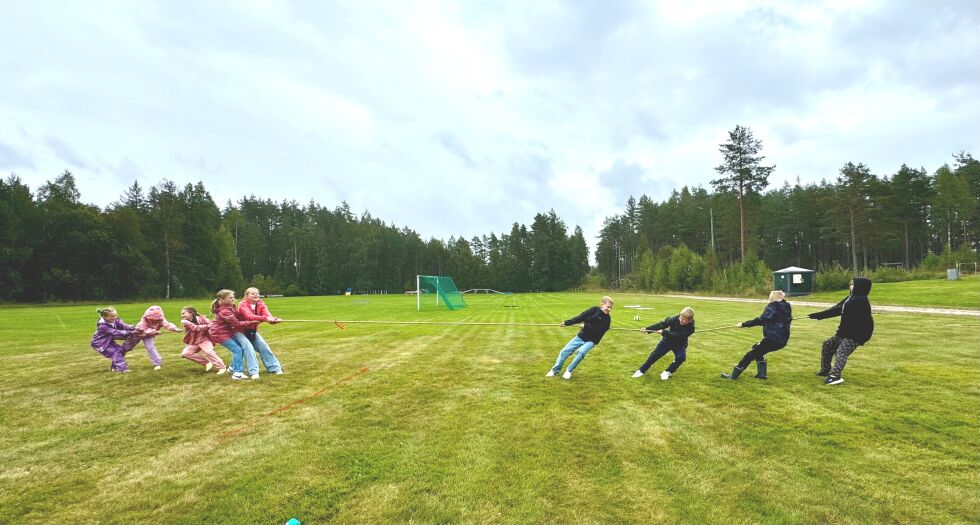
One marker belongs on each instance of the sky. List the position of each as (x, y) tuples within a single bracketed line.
[(459, 118)]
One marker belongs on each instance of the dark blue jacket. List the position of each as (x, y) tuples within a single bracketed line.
[(674, 333), (775, 321), (856, 322), (595, 324)]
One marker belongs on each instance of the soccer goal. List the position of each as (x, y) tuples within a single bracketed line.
[(441, 287)]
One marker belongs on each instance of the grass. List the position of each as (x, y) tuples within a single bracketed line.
[(961, 294), (457, 424)]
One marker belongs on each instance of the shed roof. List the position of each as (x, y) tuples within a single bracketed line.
[(794, 269)]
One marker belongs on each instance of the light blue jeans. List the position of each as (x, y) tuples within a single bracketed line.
[(576, 343), (268, 358), (240, 346)]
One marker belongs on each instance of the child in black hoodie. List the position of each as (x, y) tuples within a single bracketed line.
[(775, 321), (674, 332), (855, 329), (595, 322)]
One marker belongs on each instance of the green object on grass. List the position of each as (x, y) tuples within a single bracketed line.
[(444, 288)]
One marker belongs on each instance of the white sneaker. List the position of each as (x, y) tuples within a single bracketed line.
[(566, 375), (665, 375), (255, 376), (208, 367), (237, 376), (221, 371), (637, 374), (551, 373), (156, 367), (279, 372)]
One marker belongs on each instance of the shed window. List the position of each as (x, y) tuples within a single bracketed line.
[(797, 278)]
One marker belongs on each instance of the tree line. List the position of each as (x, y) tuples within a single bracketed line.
[(172, 241), (860, 221)]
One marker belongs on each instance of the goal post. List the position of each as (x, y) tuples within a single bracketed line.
[(442, 287)]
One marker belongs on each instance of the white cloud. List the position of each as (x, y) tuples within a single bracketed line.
[(495, 110)]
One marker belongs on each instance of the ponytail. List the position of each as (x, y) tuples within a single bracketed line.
[(222, 294), (105, 311)]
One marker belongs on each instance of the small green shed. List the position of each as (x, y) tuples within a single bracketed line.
[(794, 281)]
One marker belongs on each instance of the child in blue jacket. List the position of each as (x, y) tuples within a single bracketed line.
[(775, 321)]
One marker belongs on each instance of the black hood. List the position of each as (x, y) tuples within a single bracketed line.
[(862, 286)]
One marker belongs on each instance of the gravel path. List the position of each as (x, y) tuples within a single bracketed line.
[(874, 308)]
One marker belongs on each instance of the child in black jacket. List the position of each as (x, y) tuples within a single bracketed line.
[(855, 329), (775, 321), (674, 331), (595, 322)]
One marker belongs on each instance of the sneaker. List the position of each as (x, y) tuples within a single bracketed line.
[(831, 380), (665, 375), (237, 376), (156, 367), (551, 373), (279, 372), (566, 375), (823, 374), (637, 374), (221, 371), (208, 367), (255, 376)]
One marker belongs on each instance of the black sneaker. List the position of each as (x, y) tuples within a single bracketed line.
[(822, 373), (831, 380)]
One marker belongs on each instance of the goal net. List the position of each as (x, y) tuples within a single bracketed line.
[(442, 287)]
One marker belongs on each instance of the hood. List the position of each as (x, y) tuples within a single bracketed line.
[(153, 313), (862, 286)]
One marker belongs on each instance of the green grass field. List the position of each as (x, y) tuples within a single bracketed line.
[(961, 294), (457, 424)]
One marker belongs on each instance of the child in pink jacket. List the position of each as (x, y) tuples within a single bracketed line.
[(148, 328), (198, 340)]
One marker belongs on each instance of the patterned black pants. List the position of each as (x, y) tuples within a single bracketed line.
[(843, 348)]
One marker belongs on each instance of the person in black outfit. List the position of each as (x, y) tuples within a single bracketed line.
[(775, 321), (595, 322), (855, 329), (674, 331)]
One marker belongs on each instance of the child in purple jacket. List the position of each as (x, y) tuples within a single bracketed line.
[(107, 330)]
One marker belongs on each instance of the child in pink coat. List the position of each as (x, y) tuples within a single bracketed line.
[(198, 340), (148, 328)]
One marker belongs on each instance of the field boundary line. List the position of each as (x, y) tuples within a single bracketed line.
[(874, 308)]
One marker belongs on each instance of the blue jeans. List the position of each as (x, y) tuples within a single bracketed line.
[(239, 346), (268, 358), (576, 343)]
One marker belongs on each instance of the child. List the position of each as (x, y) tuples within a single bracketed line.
[(227, 330), (107, 330), (198, 340), (855, 329), (251, 308), (775, 321), (595, 322), (675, 331), (147, 330)]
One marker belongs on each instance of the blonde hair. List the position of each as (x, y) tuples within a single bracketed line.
[(687, 312), (606, 300), (251, 289), (221, 295), (776, 295), (106, 311)]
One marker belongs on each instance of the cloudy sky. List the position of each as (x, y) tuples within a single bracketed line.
[(462, 117)]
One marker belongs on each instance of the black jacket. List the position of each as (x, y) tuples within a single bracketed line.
[(674, 333), (856, 322), (596, 323), (775, 321)]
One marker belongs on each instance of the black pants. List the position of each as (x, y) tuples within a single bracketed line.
[(842, 348), (680, 355), (759, 350)]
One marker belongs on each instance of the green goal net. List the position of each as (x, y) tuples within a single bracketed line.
[(442, 288)]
